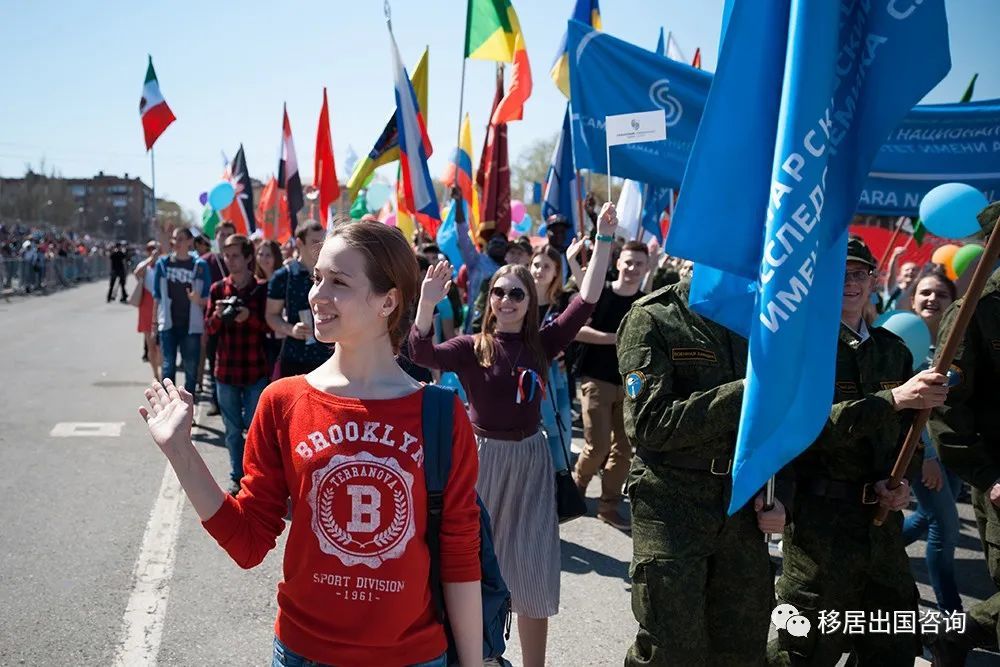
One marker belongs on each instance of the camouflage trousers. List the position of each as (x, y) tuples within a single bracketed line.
[(836, 560), (986, 614), (702, 582)]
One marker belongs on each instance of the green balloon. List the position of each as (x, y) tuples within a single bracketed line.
[(964, 257)]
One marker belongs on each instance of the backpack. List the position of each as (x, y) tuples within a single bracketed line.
[(438, 415)]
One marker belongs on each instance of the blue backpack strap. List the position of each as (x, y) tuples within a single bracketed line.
[(438, 405)]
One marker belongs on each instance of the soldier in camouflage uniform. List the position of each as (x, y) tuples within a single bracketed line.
[(966, 432), (835, 559), (702, 583)]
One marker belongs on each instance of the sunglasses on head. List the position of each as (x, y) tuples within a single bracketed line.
[(515, 294)]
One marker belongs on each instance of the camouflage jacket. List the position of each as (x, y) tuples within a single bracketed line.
[(683, 376), (863, 434), (966, 430)]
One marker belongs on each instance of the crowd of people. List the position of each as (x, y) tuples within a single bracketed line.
[(317, 353), (36, 261)]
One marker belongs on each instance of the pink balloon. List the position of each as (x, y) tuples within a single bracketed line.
[(391, 220), (517, 210)]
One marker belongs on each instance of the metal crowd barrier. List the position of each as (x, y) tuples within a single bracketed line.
[(18, 276)]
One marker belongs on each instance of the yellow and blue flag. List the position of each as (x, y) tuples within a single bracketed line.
[(585, 11)]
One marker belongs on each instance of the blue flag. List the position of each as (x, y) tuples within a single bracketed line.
[(447, 237), (609, 76), (655, 200), (823, 103), (933, 144), (560, 183)]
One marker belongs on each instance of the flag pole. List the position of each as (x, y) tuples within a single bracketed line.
[(943, 363), (608, 144), (888, 248), (277, 215), (152, 167), (461, 89), (461, 104)]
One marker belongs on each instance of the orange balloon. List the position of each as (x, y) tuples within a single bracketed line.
[(944, 255)]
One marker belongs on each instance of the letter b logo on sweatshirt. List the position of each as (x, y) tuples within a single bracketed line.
[(362, 509)]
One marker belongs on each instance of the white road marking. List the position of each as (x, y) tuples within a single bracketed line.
[(87, 429), (142, 624)]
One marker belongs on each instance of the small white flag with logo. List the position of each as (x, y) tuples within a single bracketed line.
[(635, 128)]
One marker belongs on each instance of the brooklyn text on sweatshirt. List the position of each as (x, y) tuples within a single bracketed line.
[(356, 565)]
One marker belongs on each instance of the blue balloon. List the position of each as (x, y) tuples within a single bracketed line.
[(908, 326), (950, 210), (221, 195)]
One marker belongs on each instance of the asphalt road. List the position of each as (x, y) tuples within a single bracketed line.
[(75, 512)]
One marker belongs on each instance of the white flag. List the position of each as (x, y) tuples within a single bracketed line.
[(674, 49), (629, 210), (635, 128)]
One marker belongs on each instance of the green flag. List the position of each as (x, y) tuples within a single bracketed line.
[(360, 206), (919, 231), (967, 97), (209, 219)]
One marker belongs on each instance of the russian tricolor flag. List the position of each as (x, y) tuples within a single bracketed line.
[(414, 147)]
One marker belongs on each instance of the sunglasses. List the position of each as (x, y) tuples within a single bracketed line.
[(515, 294)]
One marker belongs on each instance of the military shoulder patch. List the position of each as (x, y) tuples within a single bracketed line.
[(846, 387), (693, 354), (635, 384), (890, 385)]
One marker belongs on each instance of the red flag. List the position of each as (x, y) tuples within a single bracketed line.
[(696, 62), (512, 105), (494, 175), (325, 178), (273, 212)]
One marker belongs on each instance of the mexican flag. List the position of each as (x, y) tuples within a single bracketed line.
[(153, 109)]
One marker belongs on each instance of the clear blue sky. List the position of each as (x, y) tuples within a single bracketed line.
[(74, 70)]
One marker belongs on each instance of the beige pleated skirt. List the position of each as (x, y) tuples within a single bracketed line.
[(516, 483)]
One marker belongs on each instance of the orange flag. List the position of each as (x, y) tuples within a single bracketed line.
[(511, 107), (697, 58)]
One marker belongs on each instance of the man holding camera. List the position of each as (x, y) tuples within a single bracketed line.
[(236, 314)]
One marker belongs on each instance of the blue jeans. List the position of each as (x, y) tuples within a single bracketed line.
[(283, 657), (190, 347), (937, 515), (558, 389), (237, 405)]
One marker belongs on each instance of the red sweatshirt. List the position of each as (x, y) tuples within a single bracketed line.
[(356, 567)]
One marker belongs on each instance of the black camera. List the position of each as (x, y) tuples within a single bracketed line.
[(231, 308)]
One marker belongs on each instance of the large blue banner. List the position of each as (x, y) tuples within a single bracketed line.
[(933, 144), (841, 93), (608, 76)]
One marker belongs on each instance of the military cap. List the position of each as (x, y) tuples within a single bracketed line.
[(857, 251), (988, 217)]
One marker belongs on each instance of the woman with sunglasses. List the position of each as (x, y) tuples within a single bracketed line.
[(502, 370)]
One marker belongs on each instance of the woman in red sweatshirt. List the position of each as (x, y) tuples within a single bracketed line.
[(345, 444), (503, 370)]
